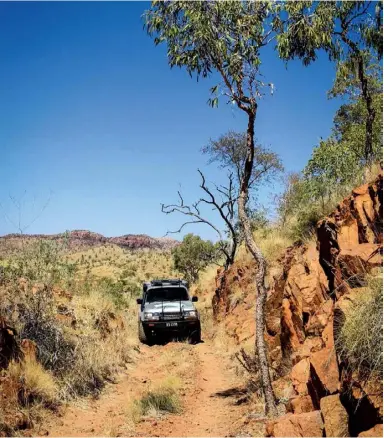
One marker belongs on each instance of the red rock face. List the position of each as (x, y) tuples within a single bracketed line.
[(297, 425), (335, 416), (350, 239), (306, 303)]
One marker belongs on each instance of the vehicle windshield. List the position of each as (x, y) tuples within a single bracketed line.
[(167, 294)]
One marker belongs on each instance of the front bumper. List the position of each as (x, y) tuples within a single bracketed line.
[(180, 326)]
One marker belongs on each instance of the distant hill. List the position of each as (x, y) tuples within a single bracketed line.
[(80, 240)]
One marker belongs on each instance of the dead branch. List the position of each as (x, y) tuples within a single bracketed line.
[(225, 206)]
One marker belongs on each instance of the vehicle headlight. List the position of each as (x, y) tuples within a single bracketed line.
[(191, 314), (149, 316)]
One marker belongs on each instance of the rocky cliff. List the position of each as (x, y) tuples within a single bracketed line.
[(84, 239), (314, 285)]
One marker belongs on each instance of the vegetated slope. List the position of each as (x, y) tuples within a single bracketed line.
[(68, 321), (77, 240), (317, 290), (120, 263)]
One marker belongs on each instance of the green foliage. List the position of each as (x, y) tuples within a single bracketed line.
[(335, 167), (351, 33), (306, 29), (193, 255), (230, 152), (223, 36), (340, 28), (349, 128)]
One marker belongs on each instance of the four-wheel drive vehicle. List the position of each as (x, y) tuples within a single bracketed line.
[(167, 309)]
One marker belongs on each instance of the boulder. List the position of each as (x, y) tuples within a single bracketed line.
[(310, 345), (108, 323), (29, 349), (300, 376), (324, 366), (375, 431), (306, 285), (307, 424), (335, 416), (319, 319), (354, 262), (301, 404), (283, 388)]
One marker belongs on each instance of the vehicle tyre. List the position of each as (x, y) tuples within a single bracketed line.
[(143, 337), (195, 336)]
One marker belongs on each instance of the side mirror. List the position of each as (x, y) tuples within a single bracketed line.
[(194, 299), (139, 300)]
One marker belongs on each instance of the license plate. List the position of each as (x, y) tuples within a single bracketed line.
[(171, 324)]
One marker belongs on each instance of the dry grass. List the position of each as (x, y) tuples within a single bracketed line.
[(97, 343), (106, 341), (360, 339), (157, 401), (114, 262), (36, 383), (272, 241)]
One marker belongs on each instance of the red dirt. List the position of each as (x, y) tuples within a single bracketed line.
[(204, 412)]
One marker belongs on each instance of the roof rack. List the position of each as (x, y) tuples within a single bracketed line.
[(161, 282)]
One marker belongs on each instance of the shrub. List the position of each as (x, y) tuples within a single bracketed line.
[(81, 359), (360, 338), (193, 255), (38, 323), (158, 401)]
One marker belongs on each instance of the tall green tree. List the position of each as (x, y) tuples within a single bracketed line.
[(193, 255), (351, 32), (225, 37)]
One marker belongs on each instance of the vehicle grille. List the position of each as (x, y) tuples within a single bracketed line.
[(170, 316)]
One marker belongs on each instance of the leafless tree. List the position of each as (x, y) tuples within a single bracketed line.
[(18, 203), (223, 200)]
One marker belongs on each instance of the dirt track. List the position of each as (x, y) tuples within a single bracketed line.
[(205, 412)]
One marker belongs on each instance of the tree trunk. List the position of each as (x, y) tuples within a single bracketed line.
[(260, 345), (367, 96), (371, 114)]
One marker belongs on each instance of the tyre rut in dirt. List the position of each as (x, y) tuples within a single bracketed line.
[(195, 336), (143, 336)]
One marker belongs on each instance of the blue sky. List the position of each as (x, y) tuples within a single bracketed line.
[(93, 118)]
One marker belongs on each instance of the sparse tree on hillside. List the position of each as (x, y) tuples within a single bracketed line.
[(230, 152), (192, 256), (285, 200), (351, 33), (335, 167), (226, 37)]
